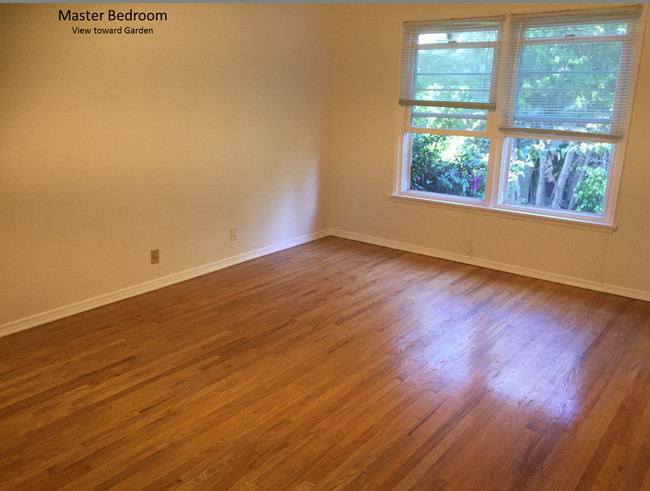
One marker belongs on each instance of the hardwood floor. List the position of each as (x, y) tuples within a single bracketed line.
[(334, 365)]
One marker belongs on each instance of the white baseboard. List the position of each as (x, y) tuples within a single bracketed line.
[(91, 303), (486, 263), (132, 291)]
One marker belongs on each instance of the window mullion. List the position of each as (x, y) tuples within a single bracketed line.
[(497, 170), (493, 168)]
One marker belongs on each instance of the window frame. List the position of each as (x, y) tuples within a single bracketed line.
[(498, 161)]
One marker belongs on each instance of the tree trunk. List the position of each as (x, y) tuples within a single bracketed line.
[(541, 183), (564, 175)]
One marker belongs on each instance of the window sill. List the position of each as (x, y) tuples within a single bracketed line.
[(507, 213)]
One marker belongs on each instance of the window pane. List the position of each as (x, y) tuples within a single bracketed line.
[(562, 175), (560, 31), (458, 37), (453, 165), (453, 74), (567, 86), (452, 118)]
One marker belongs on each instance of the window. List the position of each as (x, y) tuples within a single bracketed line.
[(449, 85), (552, 145)]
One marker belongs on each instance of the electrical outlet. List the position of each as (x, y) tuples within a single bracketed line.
[(155, 256), (233, 233)]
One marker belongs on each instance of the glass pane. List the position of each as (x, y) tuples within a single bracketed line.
[(598, 29), (567, 86), (453, 165), (562, 175), (461, 75), (458, 37), (451, 118)]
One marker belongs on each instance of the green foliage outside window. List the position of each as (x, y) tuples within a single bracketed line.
[(559, 174), (590, 192), (453, 165)]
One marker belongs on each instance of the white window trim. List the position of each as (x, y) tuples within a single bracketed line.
[(497, 172)]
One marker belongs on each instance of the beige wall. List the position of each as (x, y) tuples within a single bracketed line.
[(279, 119), (365, 128), (112, 146)]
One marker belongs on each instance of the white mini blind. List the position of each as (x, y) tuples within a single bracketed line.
[(450, 63), (570, 73)]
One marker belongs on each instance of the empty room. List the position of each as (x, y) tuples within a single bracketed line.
[(325, 246)]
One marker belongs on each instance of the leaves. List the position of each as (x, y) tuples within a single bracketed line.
[(590, 191), (454, 165), (581, 188)]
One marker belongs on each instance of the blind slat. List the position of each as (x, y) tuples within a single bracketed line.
[(558, 134), (462, 105)]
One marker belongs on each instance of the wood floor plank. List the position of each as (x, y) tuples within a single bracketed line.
[(334, 365)]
